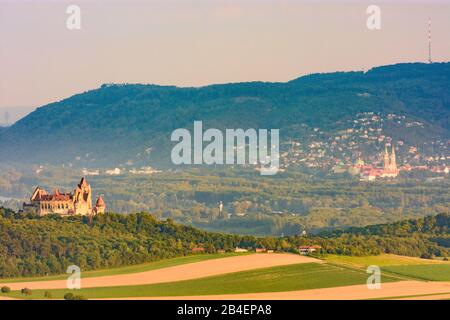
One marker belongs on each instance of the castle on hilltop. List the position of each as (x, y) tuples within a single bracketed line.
[(77, 203)]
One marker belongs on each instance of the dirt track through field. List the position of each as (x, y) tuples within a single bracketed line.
[(176, 273), (357, 292)]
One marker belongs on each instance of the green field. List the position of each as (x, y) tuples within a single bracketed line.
[(435, 272), (380, 260), (275, 279), (131, 269)]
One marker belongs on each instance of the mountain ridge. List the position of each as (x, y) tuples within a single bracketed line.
[(114, 124)]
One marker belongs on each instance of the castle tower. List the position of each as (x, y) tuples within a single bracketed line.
[(37, 194), (82, 197), (99, 206)]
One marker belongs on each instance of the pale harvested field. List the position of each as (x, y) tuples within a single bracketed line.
[(176, 273), (432, 297), (358, 292)]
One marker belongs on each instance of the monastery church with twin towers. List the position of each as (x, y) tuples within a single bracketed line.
[(65, 204)]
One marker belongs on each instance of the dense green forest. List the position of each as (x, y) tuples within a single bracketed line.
[(31, 245), (425, 237), (432, 225)]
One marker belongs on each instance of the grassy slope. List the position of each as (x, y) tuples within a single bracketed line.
[(410, 267), (131, 269), (381, 260), (435, 272), (284, 278)]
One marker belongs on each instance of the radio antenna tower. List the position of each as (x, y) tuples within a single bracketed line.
[(429, 41)]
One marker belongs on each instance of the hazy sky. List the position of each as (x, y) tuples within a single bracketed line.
[(193, 43)]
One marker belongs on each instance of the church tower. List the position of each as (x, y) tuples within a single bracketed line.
[(393, 161), (386, 159)]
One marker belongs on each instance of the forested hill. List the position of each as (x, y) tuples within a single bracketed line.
[(31, 245), (425, 237), (431, 225), (116, 124)]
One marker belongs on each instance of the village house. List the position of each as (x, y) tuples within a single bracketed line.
[(198, 250), (304, 250)]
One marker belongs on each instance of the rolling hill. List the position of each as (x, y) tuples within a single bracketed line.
[(116, 124), (36, 246)]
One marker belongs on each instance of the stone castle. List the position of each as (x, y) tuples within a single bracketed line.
[(77, 203)]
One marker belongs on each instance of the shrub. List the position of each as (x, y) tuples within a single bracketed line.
[(6, 289), (26, 291), (71, 296), (426, 256)]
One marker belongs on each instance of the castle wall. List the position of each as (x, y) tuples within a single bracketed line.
[(58, 207)]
